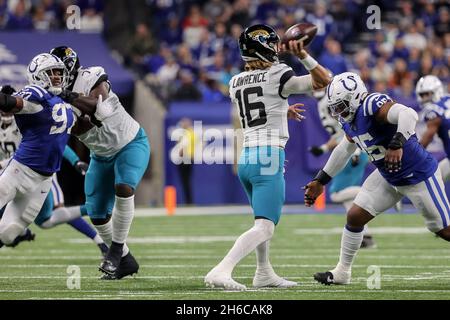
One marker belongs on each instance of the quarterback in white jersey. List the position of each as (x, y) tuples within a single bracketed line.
[(120, 153), (260, 94)]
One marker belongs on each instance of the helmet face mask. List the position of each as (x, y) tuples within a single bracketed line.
[(259, 42), (341, 111), (6, 119)]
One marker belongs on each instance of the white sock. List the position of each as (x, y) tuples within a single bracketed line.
[(97, 239), (262, 256), (105, 232), (350, 243), (62, 215), (246, 243), (122, 217)]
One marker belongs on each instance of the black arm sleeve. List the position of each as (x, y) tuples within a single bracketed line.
[(103, 77), (7, 103)]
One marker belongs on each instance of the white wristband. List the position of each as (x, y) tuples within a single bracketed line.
[(309, 62)]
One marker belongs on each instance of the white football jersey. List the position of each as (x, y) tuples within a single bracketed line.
[(10, 138), (117, 130), (263, 110)]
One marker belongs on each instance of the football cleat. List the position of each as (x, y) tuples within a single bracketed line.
[(368, 242), (112, 260), (28, 236), (270, 279), (328, 278), (127, 267), (216, 279)]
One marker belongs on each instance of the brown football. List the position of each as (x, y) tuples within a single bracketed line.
[(298, 31)]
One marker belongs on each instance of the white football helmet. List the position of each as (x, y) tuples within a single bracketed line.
[(429, 88), (344, 95), (49, 72)]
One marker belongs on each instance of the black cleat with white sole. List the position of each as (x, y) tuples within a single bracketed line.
[(127, 267), (325, 278), (112, 260), (28, 236)]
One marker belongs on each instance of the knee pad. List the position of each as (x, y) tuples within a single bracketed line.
[(10, 232)]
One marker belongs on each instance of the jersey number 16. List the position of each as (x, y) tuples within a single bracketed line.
[(245, 107)]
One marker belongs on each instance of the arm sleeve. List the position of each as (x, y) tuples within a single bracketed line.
[(404, 117), (296, 85), (70, 156), (339, 157)]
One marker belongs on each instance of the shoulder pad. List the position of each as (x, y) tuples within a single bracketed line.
[(34, 94), (373, 102)]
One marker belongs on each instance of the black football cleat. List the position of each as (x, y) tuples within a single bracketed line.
[(325, 278), (28, 236), (112, 260), (368, 242), (127, 267)]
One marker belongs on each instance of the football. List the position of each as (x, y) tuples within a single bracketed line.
[(298, 31)]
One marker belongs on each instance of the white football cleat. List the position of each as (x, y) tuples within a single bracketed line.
[(271, 280), (216, 279)]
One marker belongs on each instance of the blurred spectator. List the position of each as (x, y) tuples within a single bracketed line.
[(187, 90), (140, 46), (19, 17), (217, 10), (210, 89), (91, 21), (442, 25), (240, 13), (399, 73), (172, 33), (324, 23), (414, 39), (381, 72), (332, 57), (193, 27)]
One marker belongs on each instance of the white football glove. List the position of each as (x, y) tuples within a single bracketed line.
[(106, 108)]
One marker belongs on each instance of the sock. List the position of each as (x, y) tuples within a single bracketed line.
[(84, 227), (262, 255), (105, 232), (97, 239), (246, 243), (62, 215), (350, 243), (122, 217)]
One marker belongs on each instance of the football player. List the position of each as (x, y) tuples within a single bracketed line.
[(436, 105), (44, 121), (53, 212), (260, 94), (120, 153), (385, 130), (346, 184)]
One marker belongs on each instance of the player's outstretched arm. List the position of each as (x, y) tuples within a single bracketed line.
[(406, 119), (337, 161), (319, 76)]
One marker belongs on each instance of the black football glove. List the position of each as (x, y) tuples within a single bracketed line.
[(315, 150), (81, 167), (7, 89)]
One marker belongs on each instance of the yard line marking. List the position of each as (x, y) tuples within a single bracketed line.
[(373, 230)]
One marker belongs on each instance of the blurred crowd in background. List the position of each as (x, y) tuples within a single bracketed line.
[(188, 50)]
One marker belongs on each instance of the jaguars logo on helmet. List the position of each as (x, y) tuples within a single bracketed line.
[(259, 42), (70, 59)]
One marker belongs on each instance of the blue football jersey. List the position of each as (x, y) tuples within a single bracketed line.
[(374, 137), (441, 109), (45, 123)]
